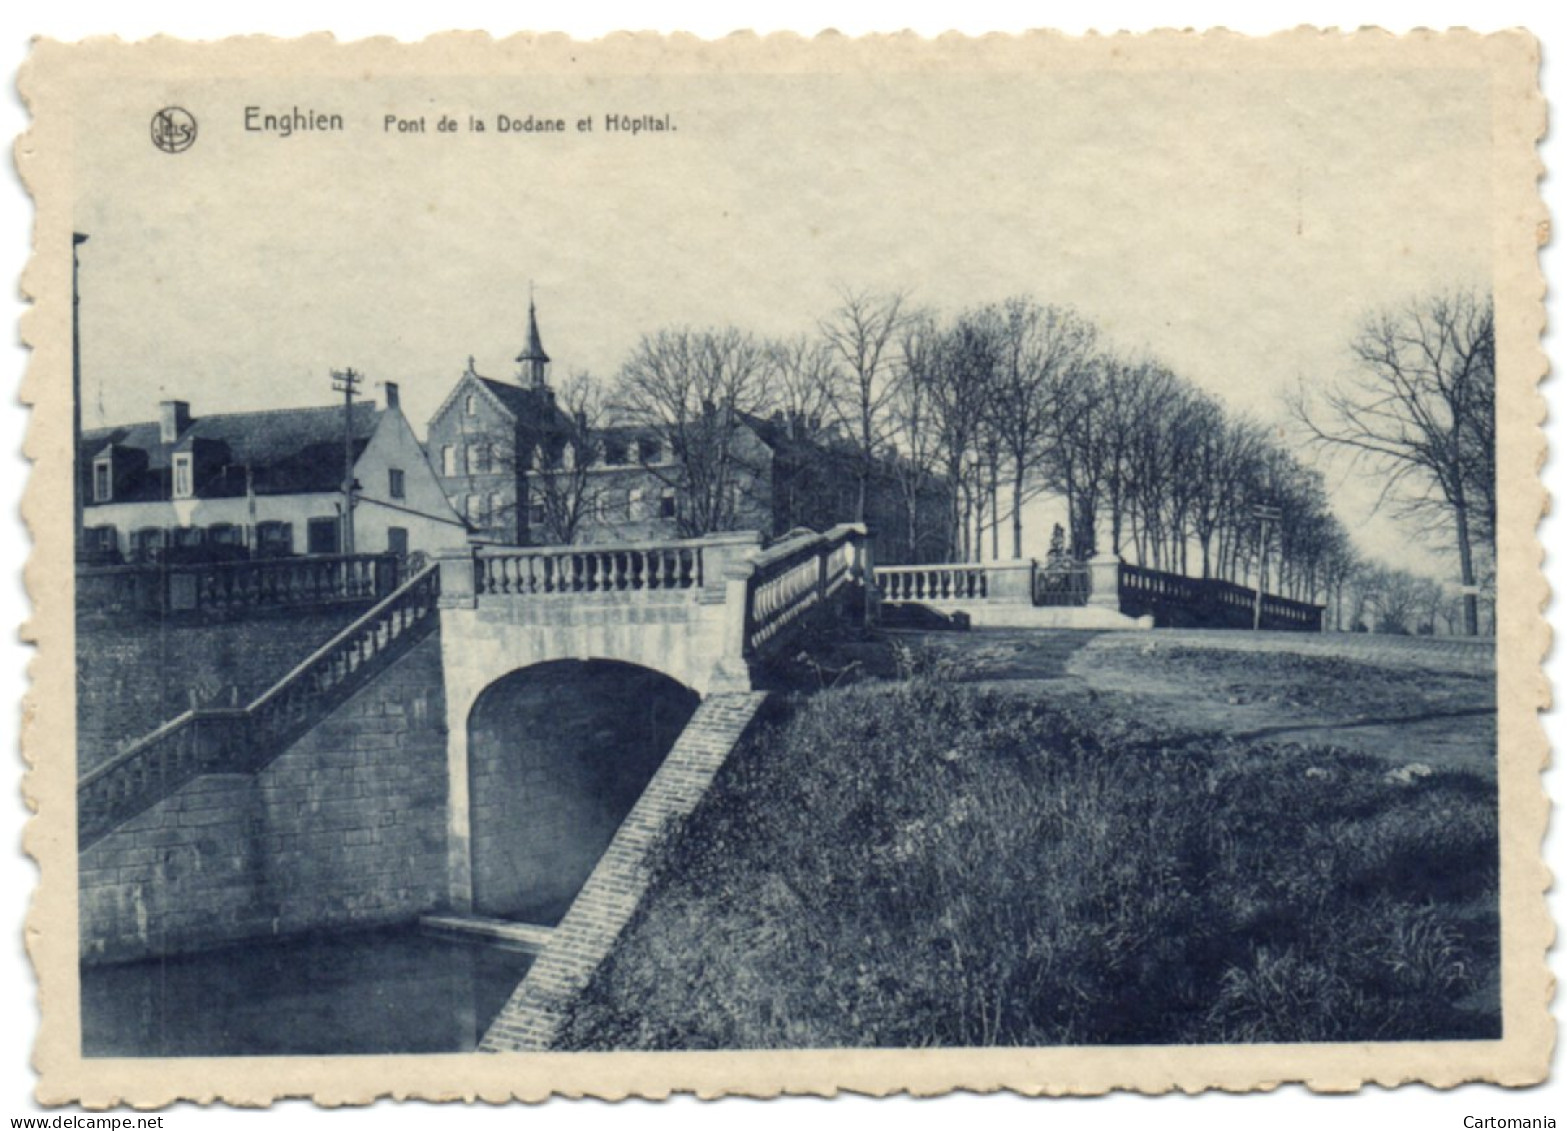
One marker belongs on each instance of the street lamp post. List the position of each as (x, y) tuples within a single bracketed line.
[(77, 471), (1266, 515)]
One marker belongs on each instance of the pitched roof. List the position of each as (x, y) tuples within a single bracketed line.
[(524, 404), (288, 451), (776, 435)]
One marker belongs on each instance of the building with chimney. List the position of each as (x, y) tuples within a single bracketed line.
[(260, 484), (522, 471)]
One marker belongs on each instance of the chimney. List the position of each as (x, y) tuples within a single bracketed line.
[(391, 396), (174, 418)]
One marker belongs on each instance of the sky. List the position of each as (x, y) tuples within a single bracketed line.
[(1234, 225)]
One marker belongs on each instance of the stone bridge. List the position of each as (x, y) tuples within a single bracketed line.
[(471, 746), (591, 621)]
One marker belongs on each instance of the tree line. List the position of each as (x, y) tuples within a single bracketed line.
[(980, 411), (998, 404)]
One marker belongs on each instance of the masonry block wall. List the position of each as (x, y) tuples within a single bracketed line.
[(345, 828), (557, 756), (132, 676)]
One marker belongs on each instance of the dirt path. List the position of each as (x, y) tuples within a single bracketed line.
[(1402, 700)]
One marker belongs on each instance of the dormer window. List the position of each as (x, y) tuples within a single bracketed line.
[(102, 480), (184, 486)]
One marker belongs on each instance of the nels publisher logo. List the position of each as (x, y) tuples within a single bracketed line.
[(173, 129)]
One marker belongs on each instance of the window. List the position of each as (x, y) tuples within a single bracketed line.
[(395, 485), (472, 405), (614, 451), (183, 487), (536, 514), (321, 535), (666, 505), (448, 460), (470, 507), (105, 538), (478, 459), (637, 504), (397, 541), (102, 481), (649, 450), (223, 534), (147, 543), (612, 506), (497, 508), (275, 539), (187, 537)]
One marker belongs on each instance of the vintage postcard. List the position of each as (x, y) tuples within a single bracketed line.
[(781, 565)]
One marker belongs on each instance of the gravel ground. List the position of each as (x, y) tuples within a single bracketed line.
[(1404, 700)]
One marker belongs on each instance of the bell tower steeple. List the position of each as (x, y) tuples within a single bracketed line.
[(533, 363)]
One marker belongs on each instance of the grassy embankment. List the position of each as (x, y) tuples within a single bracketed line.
[(912, 862)]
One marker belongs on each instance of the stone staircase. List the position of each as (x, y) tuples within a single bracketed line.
[(244, 739), (532, 1017)]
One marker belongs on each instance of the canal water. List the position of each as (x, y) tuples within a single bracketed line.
[(383, 991)]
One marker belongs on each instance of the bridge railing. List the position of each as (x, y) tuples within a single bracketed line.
[(775, 589), (239, 739), (225, 587), (542, 571), (1173, 599), (944, 582)]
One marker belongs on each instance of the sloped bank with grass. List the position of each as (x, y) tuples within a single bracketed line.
[(911, 863)]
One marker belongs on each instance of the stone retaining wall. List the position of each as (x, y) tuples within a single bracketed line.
[(345, 828), (133, 677)]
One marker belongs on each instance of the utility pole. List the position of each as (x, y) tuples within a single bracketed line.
[(1266, 515), (77, 469), (347, 381)]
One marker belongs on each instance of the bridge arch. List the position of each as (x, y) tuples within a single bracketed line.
[(557, 754)]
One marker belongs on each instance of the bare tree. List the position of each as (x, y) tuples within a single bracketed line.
[(913, 429), (1080, 452), (561, 478), (1042, 351), (803, 375), (1397, 600), (693, 388), (957, 385), (1420, 410), (864, 332)]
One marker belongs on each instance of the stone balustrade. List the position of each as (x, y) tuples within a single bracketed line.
[(225, 588), (947, 582)]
